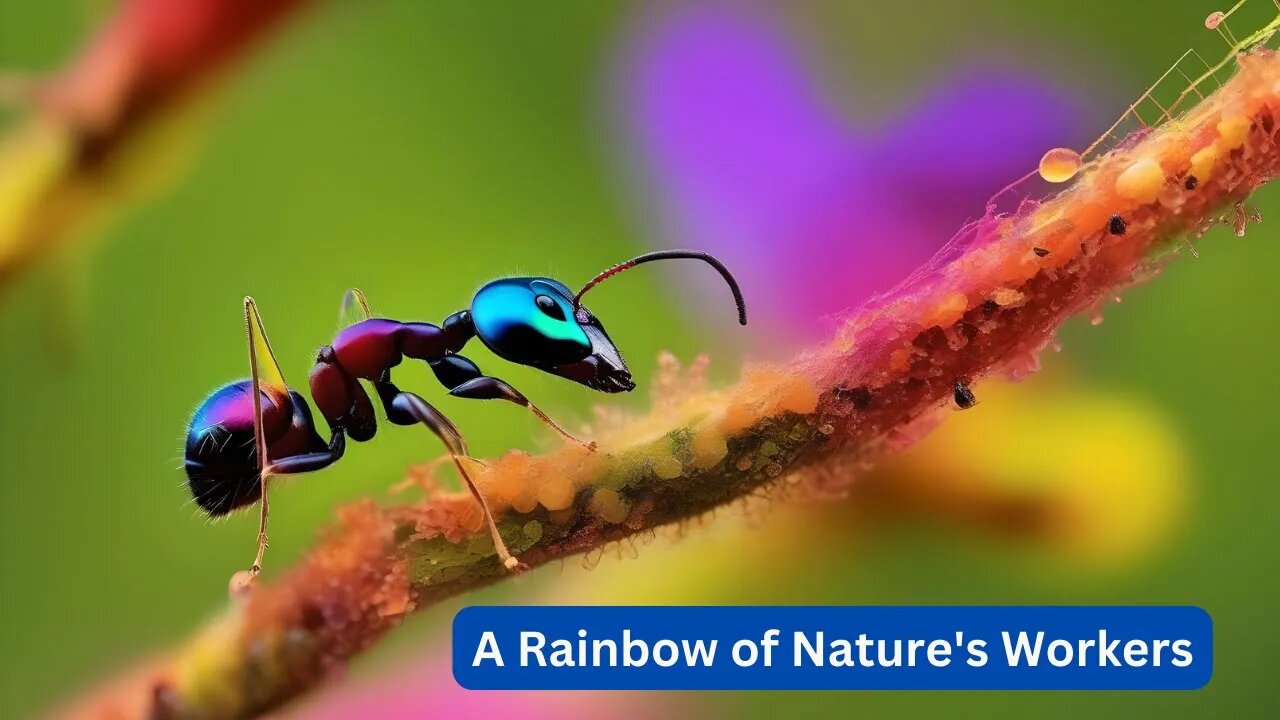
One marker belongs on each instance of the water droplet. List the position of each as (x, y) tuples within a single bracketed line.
[(1060, 165), (826, 429), (1095, 319), (1214, 20)]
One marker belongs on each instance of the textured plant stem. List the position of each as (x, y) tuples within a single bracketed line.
[(985, 305)]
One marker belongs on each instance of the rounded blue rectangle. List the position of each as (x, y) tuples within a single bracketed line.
[(833, 648)]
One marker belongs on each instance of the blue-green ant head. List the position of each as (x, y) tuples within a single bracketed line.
[(534, 321), (541, 323)]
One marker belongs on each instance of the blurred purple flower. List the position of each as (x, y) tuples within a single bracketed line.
[(742, 156)]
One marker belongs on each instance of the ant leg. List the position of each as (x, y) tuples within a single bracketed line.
[(465, 380), (354, 308), (267, 379), (405, 408), (264, 508), (309, 462), (289, 466), (492, 388)]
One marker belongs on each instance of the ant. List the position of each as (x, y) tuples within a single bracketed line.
[(249, 430)]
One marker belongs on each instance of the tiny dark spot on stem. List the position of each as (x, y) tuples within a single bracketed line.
[(859, 397), (991, 306), (1040, 251), (1191, 182), (1116, 225), (964, 397)]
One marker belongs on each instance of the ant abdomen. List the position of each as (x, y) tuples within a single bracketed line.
[(222, 454)]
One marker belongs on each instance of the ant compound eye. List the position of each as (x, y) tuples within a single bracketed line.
[(549, 307)]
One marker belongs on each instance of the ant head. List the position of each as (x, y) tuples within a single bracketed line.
[(534, 321), (540, 322)]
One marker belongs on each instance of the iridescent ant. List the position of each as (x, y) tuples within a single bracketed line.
[(534, 321)]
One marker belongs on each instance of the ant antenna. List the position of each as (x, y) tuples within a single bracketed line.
[(671, 255)]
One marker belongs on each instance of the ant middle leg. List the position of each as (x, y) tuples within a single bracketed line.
[(406, 408), (291, 465), (465, 380)]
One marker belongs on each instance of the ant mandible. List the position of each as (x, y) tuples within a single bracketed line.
[(533, 321)]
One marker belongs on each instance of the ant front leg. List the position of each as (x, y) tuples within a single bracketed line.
[(464, 380), (406, 408)]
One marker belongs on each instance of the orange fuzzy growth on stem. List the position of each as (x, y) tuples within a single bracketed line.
[(986, 304)]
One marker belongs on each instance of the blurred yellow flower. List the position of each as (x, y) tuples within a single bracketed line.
[(1104, 472)]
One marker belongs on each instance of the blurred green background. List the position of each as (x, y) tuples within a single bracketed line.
[(415, 149)]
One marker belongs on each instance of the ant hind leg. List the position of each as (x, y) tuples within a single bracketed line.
[(405, 408), (267, 378)]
